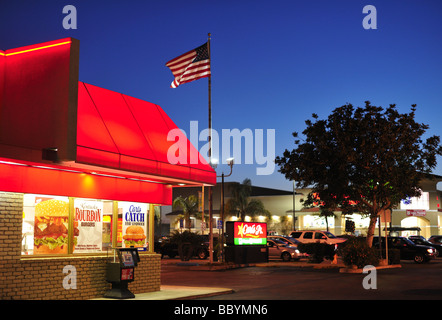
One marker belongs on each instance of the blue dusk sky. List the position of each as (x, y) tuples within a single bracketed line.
[(274, 63)]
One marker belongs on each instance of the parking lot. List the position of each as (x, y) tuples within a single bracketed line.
[(301, 281)]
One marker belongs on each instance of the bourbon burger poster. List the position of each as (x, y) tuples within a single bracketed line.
[(88, 219)]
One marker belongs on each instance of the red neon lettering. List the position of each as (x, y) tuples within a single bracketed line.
[(250, 231)]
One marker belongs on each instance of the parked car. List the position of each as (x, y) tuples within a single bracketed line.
[(170, 249), (290, 242), (310, 236), (408, 249), (435, 239), (280, 250), (422, 241)]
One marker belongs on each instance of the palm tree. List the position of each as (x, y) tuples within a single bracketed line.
[(240, 204), (189, 205)]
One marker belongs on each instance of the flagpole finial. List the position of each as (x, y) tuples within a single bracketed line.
[(209, 35)]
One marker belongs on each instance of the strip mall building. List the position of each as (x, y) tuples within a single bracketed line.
[(412, 216), (79, 165)]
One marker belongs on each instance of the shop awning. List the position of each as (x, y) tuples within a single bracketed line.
[(125, 133), (64, 137)]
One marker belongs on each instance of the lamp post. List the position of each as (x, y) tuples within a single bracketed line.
[(230, 162), (294, 205)]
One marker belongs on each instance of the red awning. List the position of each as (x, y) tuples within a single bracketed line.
[(125, 133), (64, 137)]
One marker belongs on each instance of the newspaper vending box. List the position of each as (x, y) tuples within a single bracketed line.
[(120, 273)]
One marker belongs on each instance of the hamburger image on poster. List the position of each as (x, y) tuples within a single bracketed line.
[(51, 227), (134, 222)]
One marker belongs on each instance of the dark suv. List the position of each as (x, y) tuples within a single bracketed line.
[(168, 248), (408, 250), (421, 241)]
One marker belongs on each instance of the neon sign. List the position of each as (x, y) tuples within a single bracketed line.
[(249, 233)]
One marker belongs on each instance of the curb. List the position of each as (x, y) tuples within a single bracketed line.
[(204, 266), (205, 295), (215, 267), (351, 270)]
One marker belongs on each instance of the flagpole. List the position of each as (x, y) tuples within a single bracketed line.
[(210, 102), (210, 158)]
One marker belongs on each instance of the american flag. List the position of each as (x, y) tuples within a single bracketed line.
[(192, 65)]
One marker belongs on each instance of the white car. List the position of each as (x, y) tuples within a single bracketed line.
[(280, 250), (312, 236), (291, 242)]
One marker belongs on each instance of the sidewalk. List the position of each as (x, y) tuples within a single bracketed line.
[(180, 293), (168, 292)]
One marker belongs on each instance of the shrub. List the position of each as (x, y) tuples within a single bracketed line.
[(317, 251), (357, 252), (186, 241)]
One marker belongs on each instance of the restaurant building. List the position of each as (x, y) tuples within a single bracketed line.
[(79, 166)]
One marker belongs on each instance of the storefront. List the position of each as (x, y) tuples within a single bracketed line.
[(81, 170), (412, 216)]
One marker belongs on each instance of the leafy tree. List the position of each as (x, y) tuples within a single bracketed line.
[(189, 205), (240, 204), (361, 160)]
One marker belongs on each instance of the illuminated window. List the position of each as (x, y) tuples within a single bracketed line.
[(45, 224), (50, 221), (92, 225), (318, 222), (423, 202), (133, 222)]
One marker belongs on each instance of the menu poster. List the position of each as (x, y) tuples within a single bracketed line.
[(88, 217), (134, 225)]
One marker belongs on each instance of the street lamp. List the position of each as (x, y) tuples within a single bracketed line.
[(230, 163), (213, 164), (294, 205)]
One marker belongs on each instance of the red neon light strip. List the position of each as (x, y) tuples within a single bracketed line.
[(34, 49), (77, 170)]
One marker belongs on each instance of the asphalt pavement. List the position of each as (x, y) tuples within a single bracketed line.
[(198, 280), (195, 289)]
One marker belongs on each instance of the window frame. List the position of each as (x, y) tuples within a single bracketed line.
[(114, 227)]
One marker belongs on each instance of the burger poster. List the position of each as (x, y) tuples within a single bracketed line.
[(88, 218), (134, 225)]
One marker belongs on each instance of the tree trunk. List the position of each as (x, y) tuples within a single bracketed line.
[(371, 227), (187, 219)]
